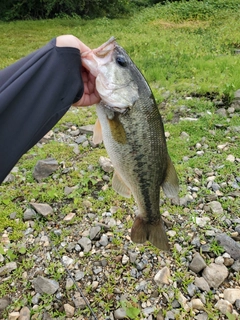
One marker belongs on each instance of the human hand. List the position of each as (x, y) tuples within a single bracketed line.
[(90, 95)]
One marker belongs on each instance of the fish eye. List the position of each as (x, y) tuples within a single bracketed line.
[(121, 61)]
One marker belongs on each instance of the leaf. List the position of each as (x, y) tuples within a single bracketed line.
[(2, 250), (22, 250), (132, 312), (10, 254)]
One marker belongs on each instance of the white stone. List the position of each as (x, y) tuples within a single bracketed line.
[(224, 306), (162, 277), (230, 158), (231, 295)]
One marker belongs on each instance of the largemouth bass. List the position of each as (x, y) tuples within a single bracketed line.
[(130, 125)]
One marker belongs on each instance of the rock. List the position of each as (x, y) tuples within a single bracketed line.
[(215, 274), (133, 256), (230, 246), (236, 266), (231, 295), (81, 139), (79, 302), (69, 216), (79, 275), (222, 112), (35, 298), (202, 284), (69, 310), (201, 316), (104, 240), (4, 303), (120, 313), (44, 168), (237, 304), (13, 315), (162, 277), (85, 243), (8, 268), (67, 261), (230, 158), (183, 302), (106, 164), (216, 207), (87, 129), (197, 304), (94, 232), (24, 314), (125, 259), (69, 283), (201, 222), (42, 208), (29, 214), (191, 289), (224, 306), (197, 263), (69, 190), (44, 285)]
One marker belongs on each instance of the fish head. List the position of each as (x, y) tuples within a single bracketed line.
[(116, 75)]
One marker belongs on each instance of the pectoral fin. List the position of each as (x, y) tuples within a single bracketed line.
[(119, 186), (171, 185), (97, 133)]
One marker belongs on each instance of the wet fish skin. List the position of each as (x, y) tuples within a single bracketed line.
[(135, 142)]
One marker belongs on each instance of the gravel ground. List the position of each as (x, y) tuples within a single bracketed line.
[(90, 269)]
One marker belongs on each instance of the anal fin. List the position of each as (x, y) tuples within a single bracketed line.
[(97, 133), (171, 184)]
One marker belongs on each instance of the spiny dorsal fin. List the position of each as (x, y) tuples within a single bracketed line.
[(119, 186), (171, 185), (97, 133)]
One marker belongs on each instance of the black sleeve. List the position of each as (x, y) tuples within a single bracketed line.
[(35, 92)]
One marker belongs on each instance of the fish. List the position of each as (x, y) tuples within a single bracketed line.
[(131, 127)]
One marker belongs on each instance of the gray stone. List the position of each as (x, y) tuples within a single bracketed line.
[(197, 263), (201, 316), (79, 302), (94, 232), (87, 129), (69, 310), (24, 314), (215, 274), (222, 112), (104, 240), (44, 168), (191, 289), (106, 164), (202, 284), (69, 283), (224, 306), (133, 256), (162, 277), (237, 304), (8, 268), (67, 261), (120, 313), (42, 208), (231, 295), (85, 243), (236, 266), (4, 303), (230, 246), (35, 298), (81, 139), (29, 214), (79, 275), (216, 207), (44, 285)]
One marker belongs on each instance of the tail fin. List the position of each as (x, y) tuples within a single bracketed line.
[(155, 233)]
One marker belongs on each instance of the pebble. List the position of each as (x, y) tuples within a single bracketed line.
[(13, 315), (125, 259), (24, 314), (94, 232), (69, 310), (120, 313), (85, 243), (69, 216), (106, 164), (201, 222), (230, 158), (29, 214), (81, 139), (8, 268), (216, 207), (202, 284), (4, 303), (197, 264), (197, 304), (79, 275), (44, 285), (231, 295), (44, 168), (215, 274), (67, 261), (230, 246), (42, 208), (163, 276), (224, 306), (133, 256), (104, 240)]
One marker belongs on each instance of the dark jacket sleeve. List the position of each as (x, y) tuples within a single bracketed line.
[(35, 92)]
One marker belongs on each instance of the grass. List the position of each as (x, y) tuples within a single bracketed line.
[(188, 58)]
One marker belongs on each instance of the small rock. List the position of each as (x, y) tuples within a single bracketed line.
[(8, 268), (230, 158), (162, 277), (69, 216), (94, 232), (215, 274), (201, 222), (79, 302), (69, 310), (224, 306), (197, 263), (69, 190), (236, 266), (191, 289), (24, 314), (216, 207), (202, 284), (79, 275), (183, 302), (85, 243), (231, 295), (120, 313), (44, 168), (29, 214), (104, 240), (67, 261), (230, 246), (42, 208), (44, 285), (125, 259), (133, 256), (13, 315), (4, 303), (197, 304), (106, 164), (222, 112)]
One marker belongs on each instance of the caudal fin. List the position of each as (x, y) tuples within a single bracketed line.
[(155, 233)]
